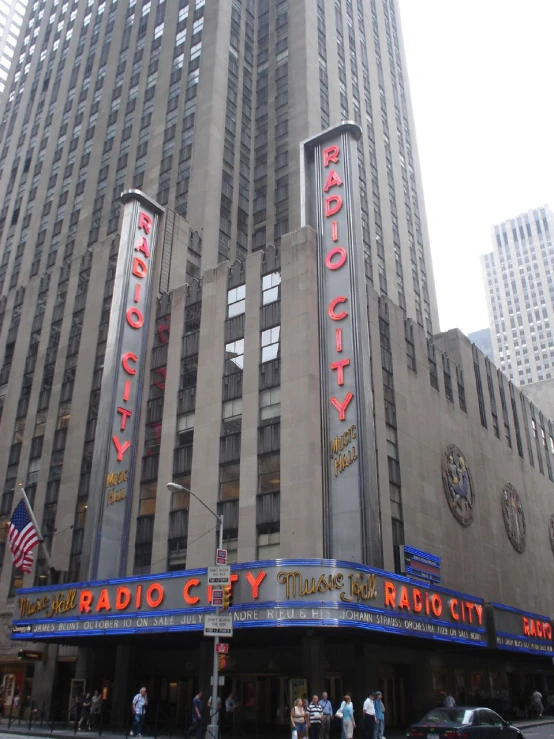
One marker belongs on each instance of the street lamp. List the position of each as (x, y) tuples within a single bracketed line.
[(213, 728)]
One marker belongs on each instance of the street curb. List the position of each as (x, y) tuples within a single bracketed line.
[(542, 722)]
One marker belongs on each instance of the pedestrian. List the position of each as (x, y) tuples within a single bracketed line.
[(85, 712), (347, 711), (75, 710), (369, 715), (379, 732), (230, 708), (326, 716), (449, 701), (138, 707), (536, 702), (197, 719), (95, 710), (314, 717), (299, 719)]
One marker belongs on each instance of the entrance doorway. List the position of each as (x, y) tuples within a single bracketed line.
[(394, 680)]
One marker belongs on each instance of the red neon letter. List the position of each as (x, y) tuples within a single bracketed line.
[(162, 371), (145, 222), (121, 448), (337, 251), (125, 414), (85, 600), (436, 604), (335, 231), (331, 155), (103, 601), (163, 333), (333, 180), (152, 600), (127, 390), (139, 268), (338, 339), (479, 611), (525, 626), (122, 598), (339, 366), (331, 309), (453, 609), (390, 594), (143, 247), (341, 407), (255, 582), (418, 605), (333, 203), (190, 599), (135, 319), (129, 357)]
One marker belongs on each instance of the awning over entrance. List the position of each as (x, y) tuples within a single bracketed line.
[(267, 594)]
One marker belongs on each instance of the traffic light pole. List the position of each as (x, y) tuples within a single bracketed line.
[(213, 728)]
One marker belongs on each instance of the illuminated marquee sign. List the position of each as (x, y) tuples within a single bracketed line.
[(331, 182), (282, 593), (117, 426), (520, 631)]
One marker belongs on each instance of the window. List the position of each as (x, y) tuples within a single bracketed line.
[(229, 481), (270, 344), (232, 408), (269, 473), (270, 403), (236, 301), (234, 356), (270, 288), (269, 545)]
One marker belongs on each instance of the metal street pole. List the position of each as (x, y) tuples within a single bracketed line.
[(213, 728)]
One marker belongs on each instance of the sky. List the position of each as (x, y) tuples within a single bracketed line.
[(481, 75)]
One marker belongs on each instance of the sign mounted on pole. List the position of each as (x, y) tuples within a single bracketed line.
[(331, 206), (118, 422), (222, 648), (221, 557), (219, 575), (218, 625)]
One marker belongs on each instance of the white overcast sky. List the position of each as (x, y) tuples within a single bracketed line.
[(481, 76)]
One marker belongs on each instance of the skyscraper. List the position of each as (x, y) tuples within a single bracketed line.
[(209, 278), (11, 18), (518, 280)]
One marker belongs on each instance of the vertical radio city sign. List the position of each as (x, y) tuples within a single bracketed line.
[(330, 205), (117, 427)]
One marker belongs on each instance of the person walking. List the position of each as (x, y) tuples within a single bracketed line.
[(95, 710), (379, 732), (197, 717), (348, 723), (369, 715), (449, 701), (326, 716), (536, 702), (314, 717), (299, 719), (85, 712), (140, 701)]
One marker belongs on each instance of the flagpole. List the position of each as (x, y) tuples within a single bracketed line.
[(35, 524)]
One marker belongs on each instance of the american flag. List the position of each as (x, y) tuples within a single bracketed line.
[(23, 538)]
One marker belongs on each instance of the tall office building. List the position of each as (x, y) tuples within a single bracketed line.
[(251, 320), (11, 18), (518, 280)]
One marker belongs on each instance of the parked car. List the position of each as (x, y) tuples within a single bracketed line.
[(463, 723)]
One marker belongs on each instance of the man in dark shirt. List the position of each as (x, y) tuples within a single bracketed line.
[(197, 717)]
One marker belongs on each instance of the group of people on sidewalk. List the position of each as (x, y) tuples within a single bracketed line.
[(87, 711), (313, 720)]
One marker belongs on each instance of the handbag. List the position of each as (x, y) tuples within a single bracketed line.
[(339, 714), (294, 734)]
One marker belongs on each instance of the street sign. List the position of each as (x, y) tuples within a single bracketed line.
[(221, 557), (217, 597), (220, 680), (218, 625), (222, 648), (219, 575)]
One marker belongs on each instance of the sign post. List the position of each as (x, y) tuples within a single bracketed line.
[(221, 575)]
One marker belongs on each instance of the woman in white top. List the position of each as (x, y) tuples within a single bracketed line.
[(299, 719)]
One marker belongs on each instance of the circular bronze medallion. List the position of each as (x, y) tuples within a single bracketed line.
[(514, 517), (458, 485)]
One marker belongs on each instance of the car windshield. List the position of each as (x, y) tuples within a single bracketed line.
[(453, 716)]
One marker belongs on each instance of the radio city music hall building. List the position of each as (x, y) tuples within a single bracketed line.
[(386, 492)]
